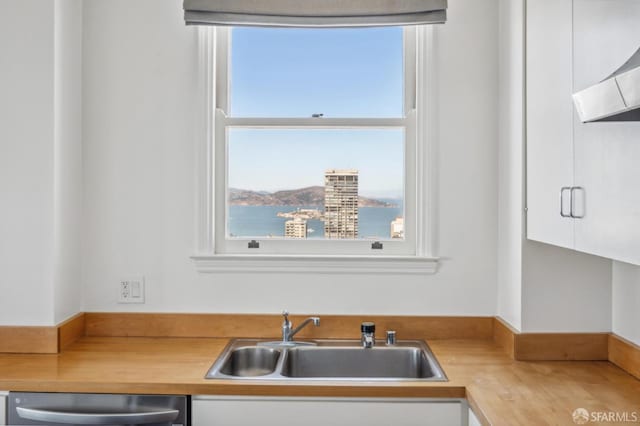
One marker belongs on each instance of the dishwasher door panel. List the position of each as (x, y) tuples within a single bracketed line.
[(29, 408)]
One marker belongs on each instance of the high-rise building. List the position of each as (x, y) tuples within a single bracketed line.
[(341, 204), (397, 228), (295, 228)]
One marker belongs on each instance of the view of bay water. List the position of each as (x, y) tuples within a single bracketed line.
[(262, 221)]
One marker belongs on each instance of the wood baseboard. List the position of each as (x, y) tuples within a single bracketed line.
[(625, 355), (30, 339), (504, 335), (268, 326), (71, 330), (550, 346), (561, 347), (41, 339)]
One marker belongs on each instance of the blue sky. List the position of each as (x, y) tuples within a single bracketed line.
[(298, 72)]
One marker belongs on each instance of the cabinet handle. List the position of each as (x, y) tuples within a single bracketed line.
[(81, 418), (572, 213), (562, 191)]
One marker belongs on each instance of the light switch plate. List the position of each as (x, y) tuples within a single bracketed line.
[(131, 290)]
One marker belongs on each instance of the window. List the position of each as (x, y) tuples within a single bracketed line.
[(315, 145)]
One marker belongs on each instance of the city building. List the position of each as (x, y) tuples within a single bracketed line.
[(295, 228), (341, 204), (397, 227)]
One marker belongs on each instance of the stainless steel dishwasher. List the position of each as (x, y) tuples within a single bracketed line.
[(28, 408)]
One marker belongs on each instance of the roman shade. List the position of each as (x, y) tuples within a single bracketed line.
[(314, 13)]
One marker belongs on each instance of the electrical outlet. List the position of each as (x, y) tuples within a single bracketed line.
[(131, 290)]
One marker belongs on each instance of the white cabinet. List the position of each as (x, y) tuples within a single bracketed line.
[(3, 408), (607, 154), (284, 411), (473, 420), (549, 121), (571, 44)]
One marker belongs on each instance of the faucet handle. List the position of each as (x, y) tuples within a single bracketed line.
[(285, 314), (368, 327)]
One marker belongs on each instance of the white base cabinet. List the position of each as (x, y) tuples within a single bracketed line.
[(473, 420), (3, 408), (283, 411)]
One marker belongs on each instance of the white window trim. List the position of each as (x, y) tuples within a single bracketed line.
[(208, 259), (275, 246)]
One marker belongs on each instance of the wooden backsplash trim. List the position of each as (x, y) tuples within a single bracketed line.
[(504, 335), (625, 355), (268, 326), (41, 339), (561, 347), (29, 339), (71, 330), (550, 346), (519, 346)]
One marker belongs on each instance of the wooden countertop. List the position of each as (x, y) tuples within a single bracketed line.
[(500, 390)]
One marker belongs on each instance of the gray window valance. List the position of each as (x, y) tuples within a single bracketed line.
[(314, 13)]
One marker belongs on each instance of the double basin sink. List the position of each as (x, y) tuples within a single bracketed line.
[(326, 360)]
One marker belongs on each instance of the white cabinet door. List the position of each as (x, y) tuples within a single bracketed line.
[(607, 155), (473, 420), (549, 120), (570, 46), (214, 411), (3, 408)]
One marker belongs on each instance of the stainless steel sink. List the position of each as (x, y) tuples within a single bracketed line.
[(377, 362), (250, 361), (327, 360)]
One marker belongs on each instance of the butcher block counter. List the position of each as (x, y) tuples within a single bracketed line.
[(500, 390)]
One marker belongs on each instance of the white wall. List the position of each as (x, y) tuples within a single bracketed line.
[(40, 163), (26, 161), (139, 161), (67, 159), (564, 290), (127, 157), (626, 301), (510, 161)]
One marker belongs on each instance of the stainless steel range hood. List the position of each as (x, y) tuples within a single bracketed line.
[(616, 98)]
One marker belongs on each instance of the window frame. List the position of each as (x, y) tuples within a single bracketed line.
[(415, 254)]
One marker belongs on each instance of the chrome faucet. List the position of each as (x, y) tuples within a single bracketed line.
[(368, 334), (287, 333)]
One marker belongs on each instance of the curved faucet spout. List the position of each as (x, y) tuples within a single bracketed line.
[(288, 333), (315, 320)]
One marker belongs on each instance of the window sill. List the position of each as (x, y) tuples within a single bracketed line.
[(396, 265)]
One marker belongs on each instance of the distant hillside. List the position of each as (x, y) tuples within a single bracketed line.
[(311, 196)]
